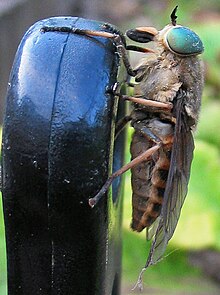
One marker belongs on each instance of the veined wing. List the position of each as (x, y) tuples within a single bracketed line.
[(177, 183)]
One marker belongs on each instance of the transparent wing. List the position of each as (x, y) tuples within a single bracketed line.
[(151, 231), (176, 187)]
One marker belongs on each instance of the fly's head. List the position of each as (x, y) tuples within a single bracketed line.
[(177, 39), (180, 40)]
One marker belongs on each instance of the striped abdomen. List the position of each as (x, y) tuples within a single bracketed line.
[(148, 182)]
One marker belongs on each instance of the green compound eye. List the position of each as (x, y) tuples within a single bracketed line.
[(183, 41)]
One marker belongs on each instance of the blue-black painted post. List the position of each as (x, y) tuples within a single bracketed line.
[(58, 149)]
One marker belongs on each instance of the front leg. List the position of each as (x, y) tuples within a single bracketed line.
[(116, 37)]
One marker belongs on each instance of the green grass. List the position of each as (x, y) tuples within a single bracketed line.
[(209, 123)]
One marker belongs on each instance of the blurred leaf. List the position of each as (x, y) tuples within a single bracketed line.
[(209, 123), (209, 32), (135, 252), (199, 224)]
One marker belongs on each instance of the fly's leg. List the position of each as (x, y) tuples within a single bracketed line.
[(130, 84), (147, 102), (122, 50), (121, 124), (78, 31), (140, 100), (146, 132), (165, 135), (143, 157), (119, 42), (116, 37), (150, 103), (139, 159), (139, 49)]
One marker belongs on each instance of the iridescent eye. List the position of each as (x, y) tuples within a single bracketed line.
[(183, 41)]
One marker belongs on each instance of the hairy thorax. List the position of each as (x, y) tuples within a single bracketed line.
[(161, 75)]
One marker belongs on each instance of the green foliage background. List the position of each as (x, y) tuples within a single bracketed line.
[(199, 225)]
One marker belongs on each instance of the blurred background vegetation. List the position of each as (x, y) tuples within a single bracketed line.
[(194, 267)]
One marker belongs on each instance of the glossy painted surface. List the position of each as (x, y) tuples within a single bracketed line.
[(57, 152), (184, 41)]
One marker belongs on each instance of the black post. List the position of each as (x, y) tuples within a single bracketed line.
[(57, 149)]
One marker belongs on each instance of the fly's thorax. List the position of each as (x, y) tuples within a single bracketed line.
[(163, 77), (158, 79)]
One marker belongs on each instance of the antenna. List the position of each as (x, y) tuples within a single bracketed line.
[(173, 16)]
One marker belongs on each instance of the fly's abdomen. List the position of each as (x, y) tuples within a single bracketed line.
[(140, 180), (158, 185), (148, 183)]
